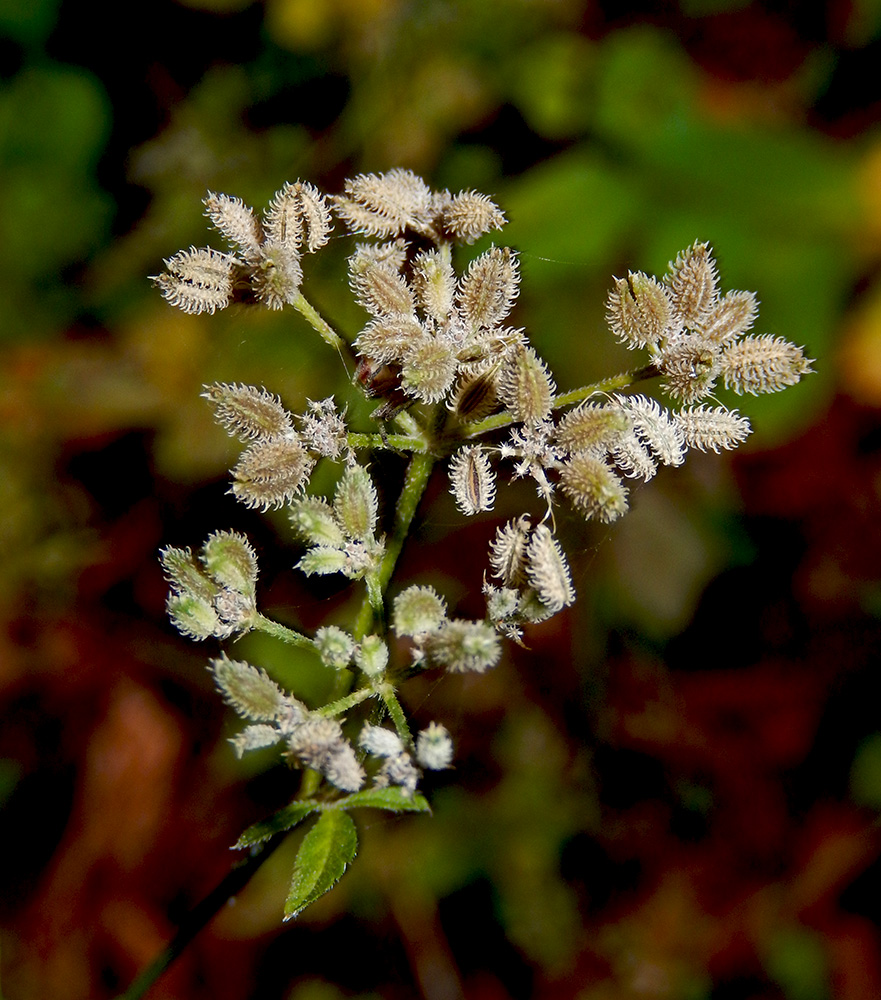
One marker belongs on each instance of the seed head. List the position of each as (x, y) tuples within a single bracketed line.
[(418, 610), (471, 480), (639, 310), (271, 472), (548, 571), (712, 428), (593, 487), (692, 282), (434, 748), (247, 412), (763, 364), (236, 222), (526, 387), (197, 281)]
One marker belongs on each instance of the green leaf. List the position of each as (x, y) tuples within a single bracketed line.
[(284, 819), (324, 855), (392, 798)]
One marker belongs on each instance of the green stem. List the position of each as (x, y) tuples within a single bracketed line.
[(387, 693), (393, 442), (499, 420), (319, 323), (279, 631), (416, 480), (343, 704)]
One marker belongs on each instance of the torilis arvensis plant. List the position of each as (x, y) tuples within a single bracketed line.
[(456, 385)]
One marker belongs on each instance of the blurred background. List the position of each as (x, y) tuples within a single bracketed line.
[(673, 793)]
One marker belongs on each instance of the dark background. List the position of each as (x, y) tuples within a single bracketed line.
[(673, 792)]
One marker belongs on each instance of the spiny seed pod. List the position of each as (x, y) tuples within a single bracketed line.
[(429, 370), (548, 571), (299, 216), (476, 397), (731, 317), (418, 610), (489, 288), (248, 689), (591, 426), (763, 364), (385, 205), (469, 215), (471, 480), (654, 427), (639, 310), (507, 554), (593, 487), (692, 283), (379, 741), (388, 339), (335, 647), (236, 221), (371, 655), (526, 387), (185, 575), (434, 283), (272, 472), (247, 412), (713, 428), (197, 281), (277, 275), (315, 522), (355, 503), (320, 745), (230, 560), (690, 368), (465, 646), (381, 290)]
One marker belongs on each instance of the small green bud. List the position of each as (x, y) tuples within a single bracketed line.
[(323, 560), (334, 646), (193, 616), (465, 646), (434, 748), (372, 655), (185, 576), (315, 522), (418, 610), (355, 503), (249, 690), (230, 560)]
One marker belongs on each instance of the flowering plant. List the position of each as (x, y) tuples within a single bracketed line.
[(456, 386)]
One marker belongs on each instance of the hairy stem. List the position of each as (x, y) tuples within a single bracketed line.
[(319, 323), (415, 481), (499, 420), (387, 693), (391, 442), (344, 704), (279, 631)]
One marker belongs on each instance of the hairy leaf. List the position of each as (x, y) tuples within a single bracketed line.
[(326, 851), (393, 799), (284, 819)]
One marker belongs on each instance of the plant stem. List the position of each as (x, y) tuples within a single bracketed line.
[(393, 442), (499, 420), (279, 631), (342, 704), (415, 481), (319, 323), (201, 914), (387, 693)]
